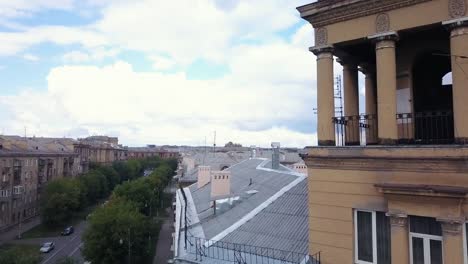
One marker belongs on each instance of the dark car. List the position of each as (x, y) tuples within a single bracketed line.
[(68, 231)]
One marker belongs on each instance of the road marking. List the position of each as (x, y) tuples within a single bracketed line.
[(73, 252), (56, 252)]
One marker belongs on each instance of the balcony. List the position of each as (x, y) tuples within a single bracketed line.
[(424, 128), (5, 195), (18, 191)]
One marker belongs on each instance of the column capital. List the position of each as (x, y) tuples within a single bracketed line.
[(391, 35), (451, 226), (319, 50), (398, 219)]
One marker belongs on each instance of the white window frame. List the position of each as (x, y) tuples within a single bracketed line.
[(426, 246), (374, 238)]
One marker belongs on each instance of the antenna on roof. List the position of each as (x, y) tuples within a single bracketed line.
[(204, 154), (214, 144)]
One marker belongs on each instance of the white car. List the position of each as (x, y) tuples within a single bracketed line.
[(47, 247)]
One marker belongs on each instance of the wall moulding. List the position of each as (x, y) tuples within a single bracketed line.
[(320, 15)]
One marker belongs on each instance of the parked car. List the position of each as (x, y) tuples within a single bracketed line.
[(47, 247), (68, 231)]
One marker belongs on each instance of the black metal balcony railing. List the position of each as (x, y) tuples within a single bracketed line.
[(434, 127), (244, 254), (355, 130)]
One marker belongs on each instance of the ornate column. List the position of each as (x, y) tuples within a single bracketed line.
[(325, 96), (351, 101), (371, 103), (459, 57), (452, 240), (386, 87), (400, 238)]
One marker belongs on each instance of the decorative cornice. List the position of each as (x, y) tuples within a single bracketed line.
[(388, 164), (379, 37), (328, 12), (423, 190), (322, 51)]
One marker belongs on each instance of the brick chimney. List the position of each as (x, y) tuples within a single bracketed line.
[(275, 159), (204, 173), (220, 184)]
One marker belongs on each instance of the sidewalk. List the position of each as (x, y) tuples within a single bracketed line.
[(11, 234), (163, 248)]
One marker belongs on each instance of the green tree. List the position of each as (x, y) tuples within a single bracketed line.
[(60, 199), (135, 169), (112, 176), (122, 170), (95, 184), (112, 230), (139, 192)]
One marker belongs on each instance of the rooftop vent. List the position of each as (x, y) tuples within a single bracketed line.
[(275, 159), (253, 152)]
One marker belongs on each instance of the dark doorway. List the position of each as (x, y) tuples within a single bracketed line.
[(433, 104)]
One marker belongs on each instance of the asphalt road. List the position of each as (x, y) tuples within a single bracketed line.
[(65, 246)]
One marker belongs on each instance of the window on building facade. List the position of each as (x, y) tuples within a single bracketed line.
[(425, 240), (372, 237)]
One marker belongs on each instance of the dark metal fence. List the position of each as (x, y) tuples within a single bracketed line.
[(426, 128), (244, 254), (355, 130)]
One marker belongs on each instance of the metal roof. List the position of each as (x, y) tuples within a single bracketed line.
[(275, 216)]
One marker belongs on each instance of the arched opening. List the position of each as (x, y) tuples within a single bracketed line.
[(432, 99)]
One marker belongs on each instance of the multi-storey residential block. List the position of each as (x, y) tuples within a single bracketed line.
[(26, 165), (104, 149), (390, 185), (151, 151)]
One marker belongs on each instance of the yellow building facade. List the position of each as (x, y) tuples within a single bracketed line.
[(390, 185)]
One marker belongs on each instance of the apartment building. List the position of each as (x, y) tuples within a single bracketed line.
[(151, 151), (26, 165), (104, 149), (390, 185)]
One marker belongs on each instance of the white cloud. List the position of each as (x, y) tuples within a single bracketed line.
[(162, 63), (30, 57), (17, 8), (76, 56), (269, 84), (190, 29), (15, 42), (96, 54), (168, 108)]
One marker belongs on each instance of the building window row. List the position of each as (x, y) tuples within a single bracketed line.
[(372, 239)]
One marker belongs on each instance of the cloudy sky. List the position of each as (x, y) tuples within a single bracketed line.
[(158, 71)]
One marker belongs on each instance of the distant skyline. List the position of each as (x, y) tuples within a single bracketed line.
[(158, 72)]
